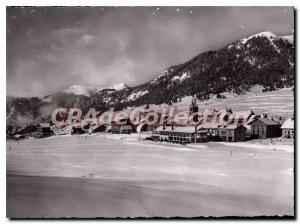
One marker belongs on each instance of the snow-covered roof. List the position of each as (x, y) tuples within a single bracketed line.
[(176, 129), (288, 124), (45, 125), (247, 126), (251, 119), (77, 125), (266, 121), (126, 127)]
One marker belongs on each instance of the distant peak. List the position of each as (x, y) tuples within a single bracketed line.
[(80, 90), (268, 34), (119, 86), (87, 90)]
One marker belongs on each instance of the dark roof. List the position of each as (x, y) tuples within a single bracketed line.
[(265, 121)]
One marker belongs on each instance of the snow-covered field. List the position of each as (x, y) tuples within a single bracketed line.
[(279, 102), (122, 175)]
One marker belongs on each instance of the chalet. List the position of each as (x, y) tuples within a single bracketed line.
[(121, 124), (227, 125), (288, 128), (212, 130), (45, 129), (62, 130), (265, 128), (232, 133), (180, 134), (243, 117), (126, 129), (77, 129), (120, 128)]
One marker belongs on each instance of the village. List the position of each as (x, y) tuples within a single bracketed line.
[(213, 153), (189, 127)]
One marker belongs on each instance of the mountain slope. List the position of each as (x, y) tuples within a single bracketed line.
[(263, 59)]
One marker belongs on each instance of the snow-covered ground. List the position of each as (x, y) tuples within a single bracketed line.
[(126, 176), (279, 102)]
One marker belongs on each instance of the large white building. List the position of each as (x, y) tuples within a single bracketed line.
[(288, 128), (180, 134)]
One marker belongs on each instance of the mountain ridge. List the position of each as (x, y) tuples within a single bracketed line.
[(264, 59)]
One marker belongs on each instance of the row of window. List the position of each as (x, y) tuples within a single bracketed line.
[(257, 132), (258, 127), (173, 134), (288, 132), (230, 133), (180, 139)]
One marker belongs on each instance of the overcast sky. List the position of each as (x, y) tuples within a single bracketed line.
[(49, 49)]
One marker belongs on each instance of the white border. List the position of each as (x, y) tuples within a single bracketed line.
[(106, 3), (149, 3)]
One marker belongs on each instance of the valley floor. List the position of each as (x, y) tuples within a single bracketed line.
[(124, 176)]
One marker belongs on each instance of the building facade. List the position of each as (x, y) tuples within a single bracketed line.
[(180, 134), (121, 129), (288, 128), (232, 133), (265, 128)]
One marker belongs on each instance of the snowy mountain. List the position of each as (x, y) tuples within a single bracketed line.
[(88, 90), (264, 59), (79, 90), (118, 86), (271, 36)]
